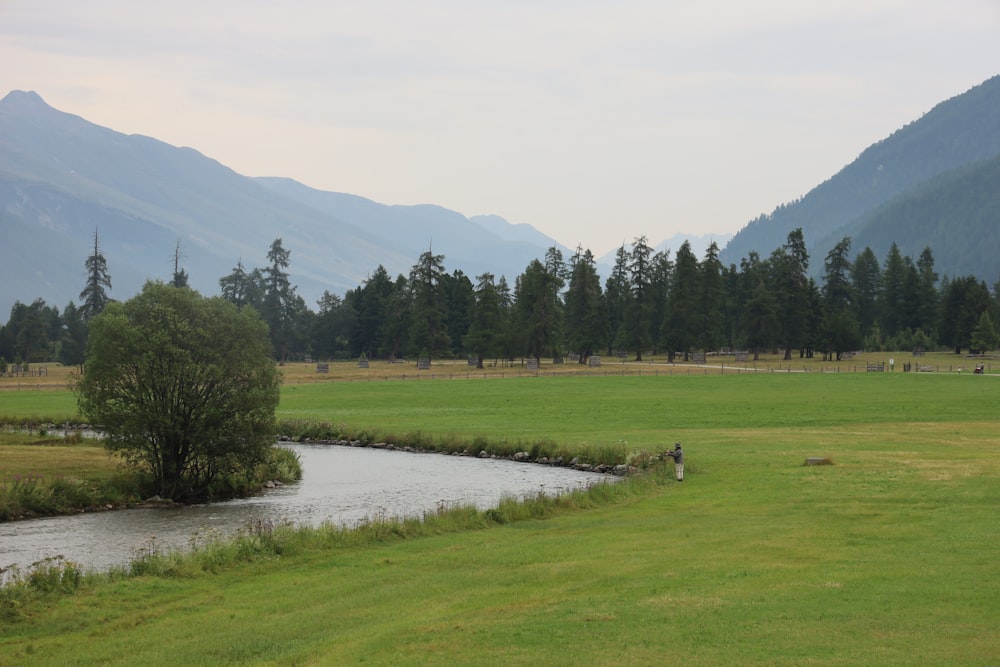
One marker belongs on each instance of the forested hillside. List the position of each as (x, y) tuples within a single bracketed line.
[(955, 133), (957, 214)]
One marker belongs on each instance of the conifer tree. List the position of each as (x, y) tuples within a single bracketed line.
[(94, 297)]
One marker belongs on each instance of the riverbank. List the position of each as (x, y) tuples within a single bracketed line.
[(45, 475), (880, 558), (757, 558)]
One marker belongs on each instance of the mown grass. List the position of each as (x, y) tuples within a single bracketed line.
[(646, 412), (885, 557)]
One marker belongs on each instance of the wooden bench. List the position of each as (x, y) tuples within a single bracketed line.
[(532, 364), (423, 364), (363, 362), (698, 357), (323, 368), (594, 361), (877, 368)]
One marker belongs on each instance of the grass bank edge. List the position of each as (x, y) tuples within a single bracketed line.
[(541, 450), (28, 591), (31, 493)]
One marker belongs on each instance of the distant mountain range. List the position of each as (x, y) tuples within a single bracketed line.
[(931, 183), (62, 178), (934, 182)]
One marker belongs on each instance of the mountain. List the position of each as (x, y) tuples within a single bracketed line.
[(955, 214), (467, 244), (62, 178), (954, 134)]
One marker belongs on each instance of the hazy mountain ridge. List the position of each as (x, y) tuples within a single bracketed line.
[(931, 182), (957, 132), (62, 177)]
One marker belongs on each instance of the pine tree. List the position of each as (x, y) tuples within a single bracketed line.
[(682, 320), (429, 319), (486, 327), (585, 316), (94, 297), (636, 324), (280, 300)]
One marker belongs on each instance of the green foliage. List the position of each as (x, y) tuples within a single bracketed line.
[(34, 495), (985, 336), (182, 386), (22, 591)]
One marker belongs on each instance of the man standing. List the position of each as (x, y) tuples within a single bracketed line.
[(678, 456)]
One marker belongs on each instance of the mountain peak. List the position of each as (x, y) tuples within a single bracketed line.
[(23, 98)]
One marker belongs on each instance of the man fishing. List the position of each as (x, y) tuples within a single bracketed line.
[(678, 456)]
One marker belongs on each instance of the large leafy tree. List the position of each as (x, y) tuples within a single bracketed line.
[(94, 296), (183, 386)]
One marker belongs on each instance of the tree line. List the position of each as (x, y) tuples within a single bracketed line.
[(651, 303)]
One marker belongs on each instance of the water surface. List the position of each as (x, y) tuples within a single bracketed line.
[(340, 485)]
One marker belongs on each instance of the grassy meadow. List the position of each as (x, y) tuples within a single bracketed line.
[(886, 557)]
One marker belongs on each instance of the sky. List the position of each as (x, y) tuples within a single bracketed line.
[(596, 122)]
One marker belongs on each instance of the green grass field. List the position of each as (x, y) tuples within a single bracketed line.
[(887, 557)]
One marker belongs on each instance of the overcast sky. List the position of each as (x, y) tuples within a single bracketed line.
[(595, 122)]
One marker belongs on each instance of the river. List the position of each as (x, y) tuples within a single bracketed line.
[(340, 485)]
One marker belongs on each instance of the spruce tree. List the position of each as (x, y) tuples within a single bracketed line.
[(94, 297)]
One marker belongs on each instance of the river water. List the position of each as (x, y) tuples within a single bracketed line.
[(340, 485)]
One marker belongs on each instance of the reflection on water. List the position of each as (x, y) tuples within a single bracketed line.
[(340, 485)]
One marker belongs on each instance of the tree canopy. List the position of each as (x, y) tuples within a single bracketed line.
[(183, 387)]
